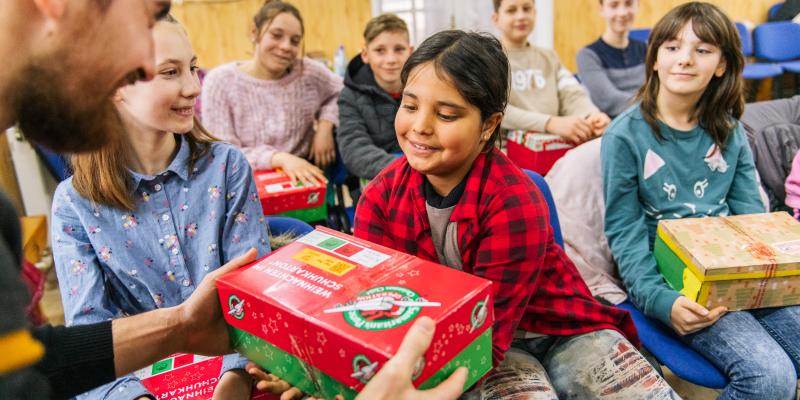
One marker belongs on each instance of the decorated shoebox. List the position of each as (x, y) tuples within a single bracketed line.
[(741, 262), (280, 197), (185, 377), (535, 151), (326, 312)]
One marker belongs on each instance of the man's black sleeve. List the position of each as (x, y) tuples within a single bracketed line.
[(76, 358)]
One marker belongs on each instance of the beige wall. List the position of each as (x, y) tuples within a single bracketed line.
[(571, 35), (220, 30)]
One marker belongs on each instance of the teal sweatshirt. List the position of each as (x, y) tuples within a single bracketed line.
[(682, 176)]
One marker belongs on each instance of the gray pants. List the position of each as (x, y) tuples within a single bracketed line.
[(596, 365)]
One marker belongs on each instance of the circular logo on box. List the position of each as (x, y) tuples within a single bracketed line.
[(363, 368), (235, 307), (479, 314), (383, 307)]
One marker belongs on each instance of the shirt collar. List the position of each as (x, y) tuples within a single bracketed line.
[(179, 165)]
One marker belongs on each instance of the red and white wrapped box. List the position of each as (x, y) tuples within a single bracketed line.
[(536, 151)]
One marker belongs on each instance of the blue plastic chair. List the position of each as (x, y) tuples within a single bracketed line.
[(551, 205), (641, 35), (57, 164), (281, 225), (661, 341), (774, 10), (670, 351), (338, 177), (756, 71), (777, 42)]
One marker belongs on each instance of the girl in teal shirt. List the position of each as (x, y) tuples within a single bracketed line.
[(681, 153)]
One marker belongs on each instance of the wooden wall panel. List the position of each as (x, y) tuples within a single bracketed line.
[(8, 178), (571, 35), (220, 30)]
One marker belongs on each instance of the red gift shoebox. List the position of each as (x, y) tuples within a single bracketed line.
[(536, 151), (326, 312), (185, 377), (278, 194)]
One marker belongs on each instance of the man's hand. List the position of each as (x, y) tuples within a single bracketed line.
[(200, 319), (393, 381)]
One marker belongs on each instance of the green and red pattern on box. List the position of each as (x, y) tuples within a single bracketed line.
[(280, 197), (185, 377), (534, 150), (327, 311)]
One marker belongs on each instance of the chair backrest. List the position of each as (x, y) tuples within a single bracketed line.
[(281, 225), (774, 10), (57, 164), (746, 38), (640, 34), (777, 41), (551, 205)]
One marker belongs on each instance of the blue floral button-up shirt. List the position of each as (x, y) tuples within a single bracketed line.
[(112, 262)]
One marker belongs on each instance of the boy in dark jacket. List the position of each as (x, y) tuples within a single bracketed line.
[(370, 99)]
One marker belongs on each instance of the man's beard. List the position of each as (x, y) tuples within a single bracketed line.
[(63, 121)]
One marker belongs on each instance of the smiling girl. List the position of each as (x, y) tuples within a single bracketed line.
[(681, 153), (145, 218), (278, 108), (455, 199)]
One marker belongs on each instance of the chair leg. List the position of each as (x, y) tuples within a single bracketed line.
[(776, 87), (345, 222), (752, 90), (796, 84)]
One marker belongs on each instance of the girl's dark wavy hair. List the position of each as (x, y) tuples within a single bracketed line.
[(472, 62), (722, 102)]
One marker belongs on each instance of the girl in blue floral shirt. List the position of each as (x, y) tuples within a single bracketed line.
[(145, 218)]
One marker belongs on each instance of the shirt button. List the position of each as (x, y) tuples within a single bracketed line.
[(157, 187), (187, 282), (165, 217)]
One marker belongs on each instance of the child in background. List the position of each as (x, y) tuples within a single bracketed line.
[(681, 153), (612, 68), (457, 200), (544, 95), (144, 219), (268, 106), (371, 97)]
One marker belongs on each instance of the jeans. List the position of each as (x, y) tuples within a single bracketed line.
[(595, 365), (758, 350)]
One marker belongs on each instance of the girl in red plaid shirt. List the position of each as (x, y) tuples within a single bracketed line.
[(455, 199)]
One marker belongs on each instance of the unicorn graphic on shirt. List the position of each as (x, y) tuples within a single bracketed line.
[(715, 160)]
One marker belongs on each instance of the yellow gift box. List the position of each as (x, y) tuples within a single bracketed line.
[(741, 262)]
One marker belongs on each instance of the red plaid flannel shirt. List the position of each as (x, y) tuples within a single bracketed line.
[(504, 235)]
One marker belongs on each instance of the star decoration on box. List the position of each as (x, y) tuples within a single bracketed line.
[(273, 325), (321, 339)]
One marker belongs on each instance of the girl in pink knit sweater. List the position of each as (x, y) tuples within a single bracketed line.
[(280, 109)]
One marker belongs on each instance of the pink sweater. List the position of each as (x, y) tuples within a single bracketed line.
[(264, 117), (793, 185)]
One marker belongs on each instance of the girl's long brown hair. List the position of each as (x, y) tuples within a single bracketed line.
[(103, 177), (722, 102)]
